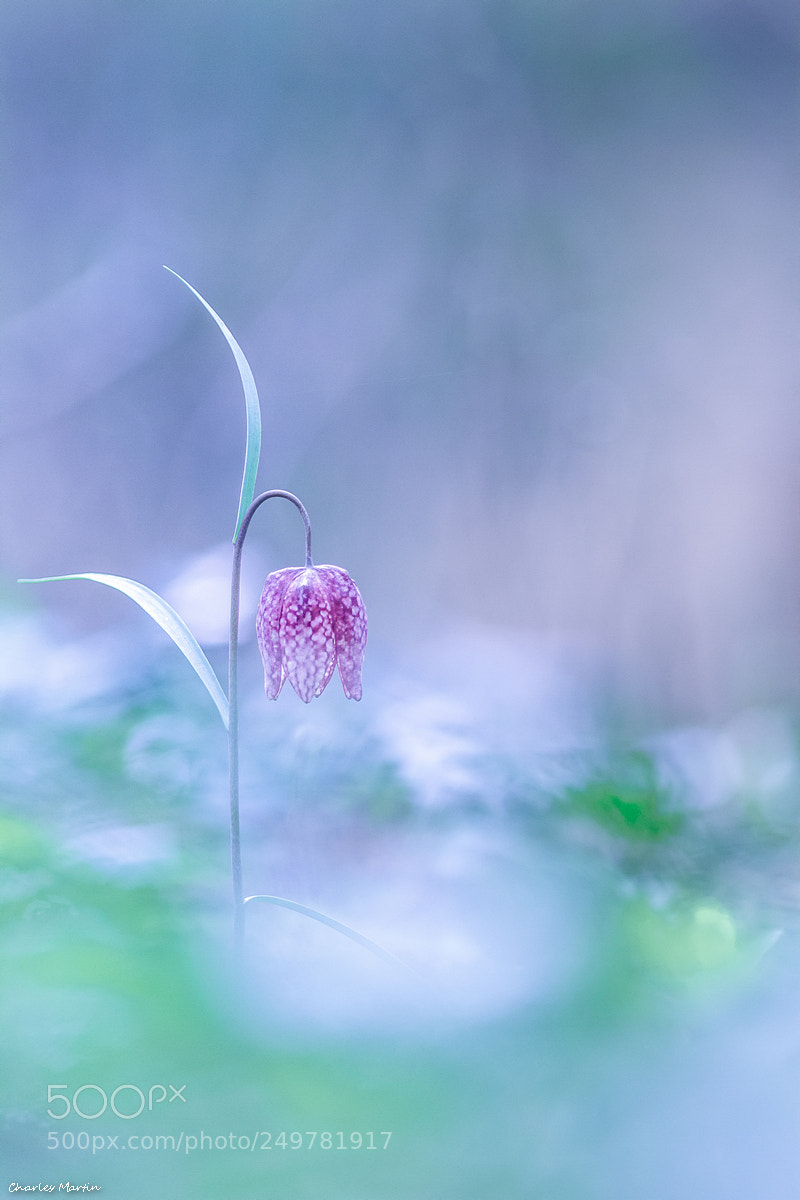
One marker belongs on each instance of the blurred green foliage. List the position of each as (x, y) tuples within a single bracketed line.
[(117, 973), (629, 805)]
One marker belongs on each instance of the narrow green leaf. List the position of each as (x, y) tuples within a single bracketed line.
[(165, 616), (253, 443), (332, 924)]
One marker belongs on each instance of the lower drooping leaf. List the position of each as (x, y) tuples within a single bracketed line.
[(165, 616)]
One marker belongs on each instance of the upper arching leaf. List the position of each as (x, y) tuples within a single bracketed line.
[(253, 443)]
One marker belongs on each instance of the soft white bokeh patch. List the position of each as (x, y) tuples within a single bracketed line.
[(200, 592), (479, 929), (124, 848)]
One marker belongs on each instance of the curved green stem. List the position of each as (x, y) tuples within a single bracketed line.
[(233, 697)]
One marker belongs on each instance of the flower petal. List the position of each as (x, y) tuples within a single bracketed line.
[(306, 634), (268, 620), (349, 625)]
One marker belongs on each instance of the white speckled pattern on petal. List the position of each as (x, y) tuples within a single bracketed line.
[(350, 627), (306, 634), (268, 619), (309, 620)]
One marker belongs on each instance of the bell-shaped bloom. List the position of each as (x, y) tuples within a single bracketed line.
[(310, 620)]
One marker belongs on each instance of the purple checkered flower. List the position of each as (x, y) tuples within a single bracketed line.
[(311, 619)]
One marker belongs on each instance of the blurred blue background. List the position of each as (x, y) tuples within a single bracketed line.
[(518, 283)]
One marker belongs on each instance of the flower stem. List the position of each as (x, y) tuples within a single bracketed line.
[(233, 698)]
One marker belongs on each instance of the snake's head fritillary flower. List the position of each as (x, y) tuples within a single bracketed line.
[(311, 619)]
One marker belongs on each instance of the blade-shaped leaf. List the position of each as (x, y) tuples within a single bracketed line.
[(353, 934), (253, 443), (165, 616)]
